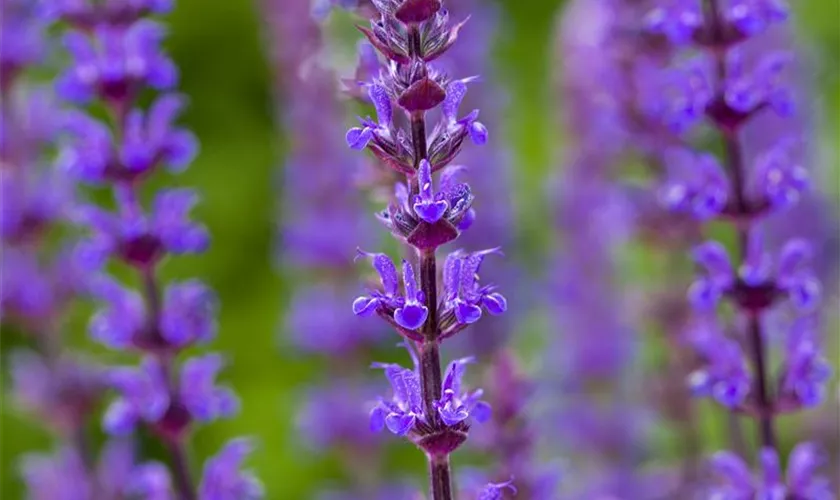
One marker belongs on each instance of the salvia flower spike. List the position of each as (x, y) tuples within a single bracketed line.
[(729, 92), (427, 407), (116, 54)]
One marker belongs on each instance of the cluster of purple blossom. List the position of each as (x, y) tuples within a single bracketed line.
[(115, 55), (731, 88)]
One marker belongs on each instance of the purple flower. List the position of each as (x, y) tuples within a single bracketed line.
[(64, 475), (806, 372), (695, 184), (407, 309), (139, 239), (187, 317), (494, 491), (682, 21), (223, 479), (116, 63), (738, 482), (678, 20), (465, 298), (781, 179), (90, 13), (149, 139), (408, 220), (404, 411), (26, 289), (754, 286), (60, 476), (32, 200), (21, 38), (62, 393), (456, 406), (724, 376), (145, 396)]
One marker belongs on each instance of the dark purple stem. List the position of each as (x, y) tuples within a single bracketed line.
[(431, 376), (734, 165), (181, 471), (441, 482)]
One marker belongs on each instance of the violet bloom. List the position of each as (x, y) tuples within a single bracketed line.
[(64, 475), (737, 481), (223, 478), (62, 393), (731, 92), (150, 138), (404, 412), (145, 396)]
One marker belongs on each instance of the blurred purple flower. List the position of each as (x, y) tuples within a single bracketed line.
[(64, 476), (62, 393), (116, 63), (139, 239), (738, 482), (145, 397), (404, 412), (223, 478), (150, 139), (187, 316)]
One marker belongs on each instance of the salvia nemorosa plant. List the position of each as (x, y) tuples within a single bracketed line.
[(115, 56), (731, 92), (428, 406)]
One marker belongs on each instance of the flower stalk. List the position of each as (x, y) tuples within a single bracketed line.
[(428, 406)]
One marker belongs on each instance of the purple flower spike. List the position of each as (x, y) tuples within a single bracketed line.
[(223, 479), (413, 313), (428, 205), (495, 491)]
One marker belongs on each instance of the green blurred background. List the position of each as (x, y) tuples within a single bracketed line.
[(219, 47)]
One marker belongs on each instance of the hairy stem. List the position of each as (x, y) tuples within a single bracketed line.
[(440, 475), (181, 471)]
